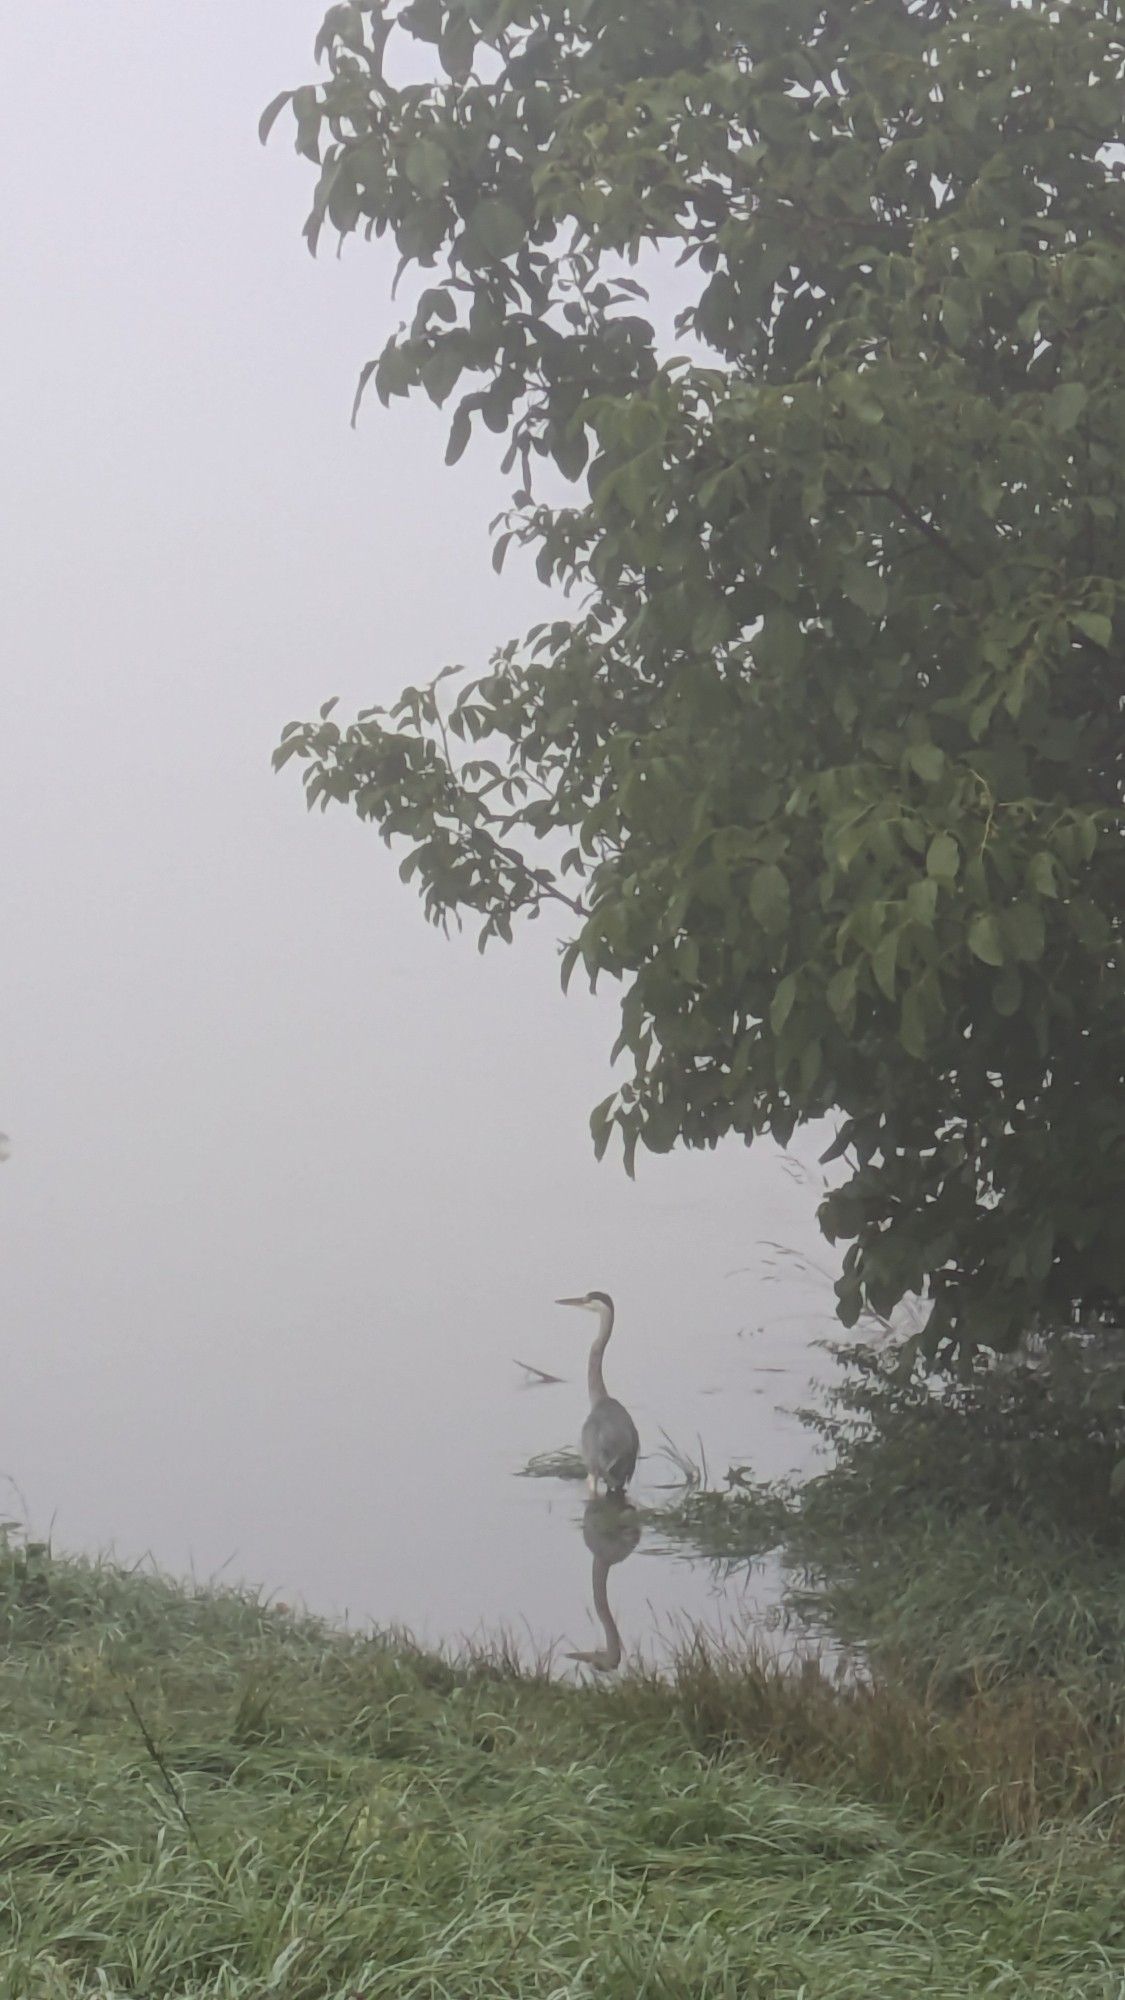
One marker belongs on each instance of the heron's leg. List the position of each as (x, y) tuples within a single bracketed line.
[(592, 1485)]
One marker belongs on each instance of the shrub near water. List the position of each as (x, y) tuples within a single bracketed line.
[(968, 1539), (972, 1530), (203, 1798)]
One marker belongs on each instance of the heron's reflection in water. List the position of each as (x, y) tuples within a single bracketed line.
[(611, 1531)]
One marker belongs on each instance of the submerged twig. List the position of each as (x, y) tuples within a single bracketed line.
[(539, 1376)]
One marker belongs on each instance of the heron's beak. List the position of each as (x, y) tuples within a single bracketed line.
[(570, 1302)]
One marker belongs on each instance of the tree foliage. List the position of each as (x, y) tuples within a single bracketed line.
[(827, 762)]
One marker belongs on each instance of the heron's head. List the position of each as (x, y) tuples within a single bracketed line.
[(593, 1302)]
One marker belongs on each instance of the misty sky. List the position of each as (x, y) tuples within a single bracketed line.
[(292, 1178)]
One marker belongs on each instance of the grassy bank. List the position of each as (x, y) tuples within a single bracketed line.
[(201, 1797), (969, 1540)]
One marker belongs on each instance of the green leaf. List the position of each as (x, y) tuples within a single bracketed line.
[(921, 902), (365, 374), (1095, 625), (769, 897), (270, 115), (424, 19), (457, 47), (460, 431), (342, 22), (1025, 933), (495, 229), (849, 1301), (864, 587), (307, 111), (570, 958), (601, 1124), (1041, 874), (927, 760), (781, 1006), (943, 858), (841, 992), (687, 960), (1066, 404), (426, 166), (884, 962), (778, 646), (1086, 831), (1117, 1480), (956, 321), (984, 938), (570, 453), (441, 372)]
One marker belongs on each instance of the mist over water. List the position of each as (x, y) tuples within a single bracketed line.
[(294, 1179)]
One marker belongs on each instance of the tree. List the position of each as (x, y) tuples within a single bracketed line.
[(827, 765)]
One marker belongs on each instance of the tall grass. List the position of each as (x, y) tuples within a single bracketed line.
[(203, 1798), (967, 1540)]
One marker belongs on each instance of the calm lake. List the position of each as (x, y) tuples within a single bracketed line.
[(322, 1398)]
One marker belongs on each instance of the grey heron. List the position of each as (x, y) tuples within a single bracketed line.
[(609, 1436), (611, 1531)]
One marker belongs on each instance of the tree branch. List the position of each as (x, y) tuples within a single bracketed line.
[(917, 520)]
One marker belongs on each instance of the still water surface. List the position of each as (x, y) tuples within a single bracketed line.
[(350, 1438)]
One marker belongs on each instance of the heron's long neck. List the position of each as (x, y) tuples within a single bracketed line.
[(611, 1656), (606, 1657), (594, 1377)]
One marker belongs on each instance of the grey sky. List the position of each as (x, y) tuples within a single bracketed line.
[(281, 1156)]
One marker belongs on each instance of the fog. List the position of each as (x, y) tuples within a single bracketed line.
[(293, 1178)]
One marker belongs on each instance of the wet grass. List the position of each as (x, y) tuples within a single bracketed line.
[(968, 1543), (206, 1798)]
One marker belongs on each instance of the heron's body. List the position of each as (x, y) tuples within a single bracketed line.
[(609, 1436), (610, 1444)]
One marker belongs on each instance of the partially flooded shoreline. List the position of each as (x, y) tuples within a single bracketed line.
[(211, 1795), (207, 1796)]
